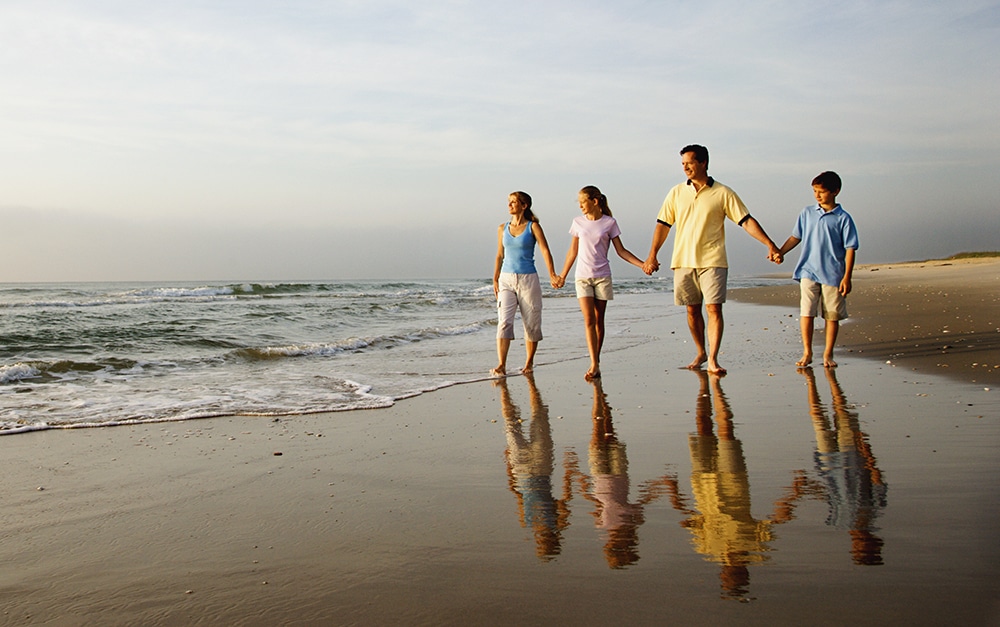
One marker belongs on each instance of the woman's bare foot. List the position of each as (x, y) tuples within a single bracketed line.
[(807, 358), (593, 373), (528, 368), (499, 371), (828, 362), (715, 368)]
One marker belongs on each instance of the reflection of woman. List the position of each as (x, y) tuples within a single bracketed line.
[(844, 461), (529, 467), (515, 280)]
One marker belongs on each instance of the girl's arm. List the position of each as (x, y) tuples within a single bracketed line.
[(543, 246), (574, 248), (626, 254), (498, 263)]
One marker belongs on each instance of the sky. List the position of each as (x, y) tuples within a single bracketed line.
[(307, 140)]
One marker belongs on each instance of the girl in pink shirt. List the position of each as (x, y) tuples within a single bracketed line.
[(593, 234)]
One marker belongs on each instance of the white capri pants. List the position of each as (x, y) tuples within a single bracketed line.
[(522, 291)]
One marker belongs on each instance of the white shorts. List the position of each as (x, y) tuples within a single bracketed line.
[(818, 298), (599, 288), (524, 292), (700, 286)]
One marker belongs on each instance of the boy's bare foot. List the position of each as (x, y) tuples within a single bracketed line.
[(828, 362), (499, 371), (807, 358), (697, 363)]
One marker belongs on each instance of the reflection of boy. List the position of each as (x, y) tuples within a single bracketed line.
[(829, 241)]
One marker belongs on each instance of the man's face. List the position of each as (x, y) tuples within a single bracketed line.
[(693, 169)]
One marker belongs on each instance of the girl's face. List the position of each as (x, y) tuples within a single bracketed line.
[(514, 205), (588, 205)]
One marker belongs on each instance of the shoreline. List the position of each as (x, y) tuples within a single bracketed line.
[(936, 317)]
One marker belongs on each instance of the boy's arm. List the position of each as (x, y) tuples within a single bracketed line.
[(789, 244), (845, 283)]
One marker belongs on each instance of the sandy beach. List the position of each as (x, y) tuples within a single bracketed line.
[(863, 495)]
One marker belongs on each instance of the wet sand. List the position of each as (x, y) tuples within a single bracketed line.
[(867, 494)]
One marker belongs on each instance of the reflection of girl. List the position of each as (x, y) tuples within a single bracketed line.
[(593, 234), (515, 280)]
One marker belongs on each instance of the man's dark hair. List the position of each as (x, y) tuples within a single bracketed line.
[(829, 181), (700, 153)]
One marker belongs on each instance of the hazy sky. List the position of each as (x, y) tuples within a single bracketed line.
[(275, 139)]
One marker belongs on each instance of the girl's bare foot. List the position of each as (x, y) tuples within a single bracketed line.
[(528, 368), (697, 363), (593, 373), (828, 362), (807, 358), (499, 371)]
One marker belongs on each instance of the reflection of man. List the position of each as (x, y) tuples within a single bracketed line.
[(529, 467), (724, 530), (854, 487), (697, 211), (608, 487)]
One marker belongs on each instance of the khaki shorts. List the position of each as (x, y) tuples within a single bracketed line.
[(524, 292), (700, 286), (599, 288), (817, 298)]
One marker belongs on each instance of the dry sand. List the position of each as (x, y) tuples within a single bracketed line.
[(932, 316), (415, 514)]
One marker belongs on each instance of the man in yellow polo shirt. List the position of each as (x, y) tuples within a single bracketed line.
[(697, 210)]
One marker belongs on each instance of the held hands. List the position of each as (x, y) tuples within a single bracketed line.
[(775, 256), (650, 266), (557, 281)]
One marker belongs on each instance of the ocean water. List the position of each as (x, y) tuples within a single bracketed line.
[(103, 354)]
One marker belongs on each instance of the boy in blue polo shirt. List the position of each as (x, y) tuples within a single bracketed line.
[(825, 267)]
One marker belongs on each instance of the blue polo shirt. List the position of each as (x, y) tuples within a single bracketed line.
[(826, 236)]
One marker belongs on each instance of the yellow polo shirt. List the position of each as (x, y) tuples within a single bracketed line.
[(698, 220)]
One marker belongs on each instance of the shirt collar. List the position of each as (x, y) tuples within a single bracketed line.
[(711, 182)]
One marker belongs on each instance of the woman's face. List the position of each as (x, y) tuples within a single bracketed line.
[(515, 205)]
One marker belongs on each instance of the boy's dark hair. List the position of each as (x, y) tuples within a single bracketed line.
[(700, 153), (829, 181)]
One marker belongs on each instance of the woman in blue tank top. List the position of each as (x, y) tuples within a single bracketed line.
[(515, 280)]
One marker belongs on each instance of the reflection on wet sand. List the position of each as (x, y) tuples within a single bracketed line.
[(607, 487), (721, 524), (854, 487), (529, 470)]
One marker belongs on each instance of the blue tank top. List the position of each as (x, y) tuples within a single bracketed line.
[(518, 252)]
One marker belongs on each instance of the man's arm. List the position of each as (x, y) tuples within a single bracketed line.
[(756, 231), (660, 233)]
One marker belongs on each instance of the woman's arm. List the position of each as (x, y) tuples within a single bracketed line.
[(543, 246), (498, 263)]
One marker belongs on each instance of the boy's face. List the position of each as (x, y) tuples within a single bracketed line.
[(824, 197)]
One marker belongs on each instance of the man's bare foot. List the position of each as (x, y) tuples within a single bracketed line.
[(828, 362), (716, 369), (499, 371), (807, 358), (697, 363)]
